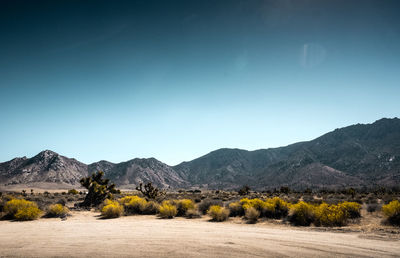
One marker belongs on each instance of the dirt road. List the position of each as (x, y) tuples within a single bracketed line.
[(84, 235)]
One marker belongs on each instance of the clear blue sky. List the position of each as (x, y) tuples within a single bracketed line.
[(175, 80)]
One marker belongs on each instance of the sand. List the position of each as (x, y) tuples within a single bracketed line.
[(86, 235)]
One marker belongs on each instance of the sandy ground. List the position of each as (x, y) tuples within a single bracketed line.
[(85, 235)]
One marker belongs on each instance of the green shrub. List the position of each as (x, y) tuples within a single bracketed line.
[(218, 213), (22, 209), (183, 206), (392, 212), (133, 204), (167, 210), (235, 209), (329, 215), (301, 214), (111, 209), (57, 210), (252, 215)]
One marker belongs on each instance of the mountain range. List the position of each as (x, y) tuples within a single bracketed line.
[(357, 155)]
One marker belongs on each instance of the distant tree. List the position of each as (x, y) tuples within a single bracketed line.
[(98, 189), (149, 191), (245, 190)]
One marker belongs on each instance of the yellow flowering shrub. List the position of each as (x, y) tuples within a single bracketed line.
[(235, 209), (111, 209), (329, 215), (281, 207), (183, 206), (392, 212), (218, 213), (57, 210), (20, 209), (352, 209), (133, 204), (167, 210), (301, 214)]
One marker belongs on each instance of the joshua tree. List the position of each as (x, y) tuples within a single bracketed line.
[(98, 189), (149, 190)]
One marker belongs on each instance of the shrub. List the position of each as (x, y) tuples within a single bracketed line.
[(133, 204), (351, 209), (329, 215), (392, 212), (218, 213), (111, 209), (183, 206), (73, 191), (167, 210), (255, 203), (205, 205), (372, 207), (268, 210), (301, 214), (57, 210), (192, 213), (22, 209), (252, 215), (281, 208), (151, 208), (236, 209)]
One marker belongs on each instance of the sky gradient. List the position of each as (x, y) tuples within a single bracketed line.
[(175, 80)]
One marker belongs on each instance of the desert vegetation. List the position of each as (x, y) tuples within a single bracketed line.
[(323, 208)]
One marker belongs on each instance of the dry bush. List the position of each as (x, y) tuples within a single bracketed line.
[(193, 213), (205, 205), (392, 212), (301, 214), (183, 206), (252, 215), (372, 207), (133, 204), (235, 209), (167, 210), (218, 213), (111, 209), (151, 208), (57, 210), (22, 209)]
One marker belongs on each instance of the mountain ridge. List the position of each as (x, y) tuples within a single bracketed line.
[(356, 155)]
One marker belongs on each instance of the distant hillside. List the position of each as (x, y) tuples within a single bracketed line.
[(47, 166), (357, 155), (132, 172)]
